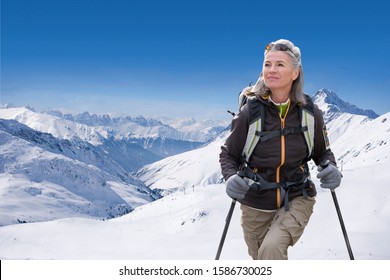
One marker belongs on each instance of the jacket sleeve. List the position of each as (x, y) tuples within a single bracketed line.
[(322, 151), (229, 157)]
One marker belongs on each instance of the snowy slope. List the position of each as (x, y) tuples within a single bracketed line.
[(365, 142), (196, 167), (44, 178), (188, 225)]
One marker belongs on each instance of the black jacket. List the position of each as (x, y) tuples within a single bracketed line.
[(280, 159)]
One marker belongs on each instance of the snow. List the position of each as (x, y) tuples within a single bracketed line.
[(187, 223), (44, 178), (361, 141), (184, 170)]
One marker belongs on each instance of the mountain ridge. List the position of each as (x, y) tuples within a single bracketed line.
[(158, 139), (37, 163), (331, 104)]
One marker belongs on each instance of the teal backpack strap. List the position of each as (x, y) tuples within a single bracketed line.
[(256, 121), (256, 124), (308, 124), (251, 140)]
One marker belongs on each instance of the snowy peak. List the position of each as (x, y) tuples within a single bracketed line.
[(143, 127), (147, 139), (332, 106), (54, 125)]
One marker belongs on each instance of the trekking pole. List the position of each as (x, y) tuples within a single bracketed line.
[(336, 204), (227, 222)]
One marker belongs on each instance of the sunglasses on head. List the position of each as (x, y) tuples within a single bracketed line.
[(278, 47)]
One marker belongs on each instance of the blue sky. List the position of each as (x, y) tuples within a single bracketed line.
[(185, 58)]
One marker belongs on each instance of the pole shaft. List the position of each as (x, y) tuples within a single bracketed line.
[(342, 224), (227, 222)]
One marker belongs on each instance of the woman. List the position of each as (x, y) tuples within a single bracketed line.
[(271, 222)]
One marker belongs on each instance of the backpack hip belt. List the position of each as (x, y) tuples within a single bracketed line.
[(258, 183)]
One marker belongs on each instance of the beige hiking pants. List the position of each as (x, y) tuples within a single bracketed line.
[(268, 234)]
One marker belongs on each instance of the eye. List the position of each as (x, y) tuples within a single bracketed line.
[(280, 64)]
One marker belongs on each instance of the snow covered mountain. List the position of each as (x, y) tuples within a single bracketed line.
[(160, 230), (141, 127), (65, 177), (83, 157), (328, 101), (133, 142), (194, 207)]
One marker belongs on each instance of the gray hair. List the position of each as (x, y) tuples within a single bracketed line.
[(297, 94)]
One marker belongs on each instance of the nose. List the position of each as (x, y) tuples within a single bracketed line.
[(272, 68)]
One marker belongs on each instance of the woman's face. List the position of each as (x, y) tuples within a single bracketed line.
[(278, 72)]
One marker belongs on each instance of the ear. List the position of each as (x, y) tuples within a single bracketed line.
[(295, 74)]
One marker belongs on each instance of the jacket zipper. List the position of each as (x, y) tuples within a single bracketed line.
[(282, 155)]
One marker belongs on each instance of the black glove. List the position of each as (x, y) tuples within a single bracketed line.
[(236, 187), (329, 176)]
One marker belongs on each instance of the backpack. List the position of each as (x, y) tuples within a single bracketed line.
[(256, 123), (256, 110)]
